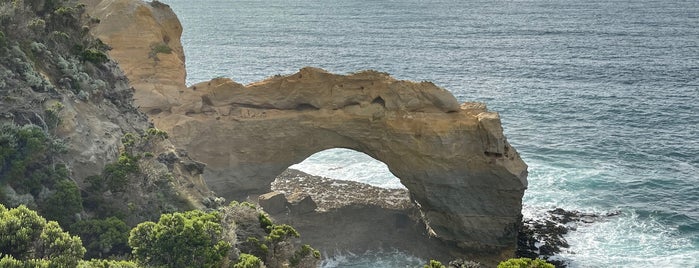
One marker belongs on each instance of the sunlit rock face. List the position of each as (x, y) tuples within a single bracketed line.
[(453, 158)]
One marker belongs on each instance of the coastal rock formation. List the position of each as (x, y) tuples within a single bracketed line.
[(454, 159)]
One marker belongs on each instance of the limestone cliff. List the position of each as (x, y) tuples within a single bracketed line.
[(454, 159), (55, 76)]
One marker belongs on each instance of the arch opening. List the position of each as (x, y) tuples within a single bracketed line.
[(350, 165)]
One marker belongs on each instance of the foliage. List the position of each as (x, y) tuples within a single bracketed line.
[(51, 116), (26, 165), (435, 264), (525, 263), (156, 133), (248, 261), (8, 261), (93, 55), (304, 251), (280, 233), (189, 239), (26, 236), (115, 175), (161, 48), (97, 263), (63, 204), (3, 39), (103, 237), (265, 222)]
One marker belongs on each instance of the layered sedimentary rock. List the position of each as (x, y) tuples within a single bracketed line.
[(453, 158)]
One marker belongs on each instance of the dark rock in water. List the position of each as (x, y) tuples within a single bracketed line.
[(543, 238)]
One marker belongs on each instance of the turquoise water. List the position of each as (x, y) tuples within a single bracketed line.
[(601, 98)]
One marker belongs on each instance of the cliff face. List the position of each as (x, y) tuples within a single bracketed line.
[(454, 159), (54, 77)]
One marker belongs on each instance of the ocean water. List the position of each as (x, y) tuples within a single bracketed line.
[(600, 98)]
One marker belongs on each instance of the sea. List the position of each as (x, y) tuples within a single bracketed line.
[(600, 98)]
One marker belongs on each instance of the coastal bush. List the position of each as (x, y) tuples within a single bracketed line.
[(116, 174), (161, 48), (63, 204), (95, 56), (248, 261), (103, 237), (3, 40), (26, 166), (435, 264), (27, 237), (189, 239), (8, 261), (97, 263), (279, 233), (265, 222), (525, 263), (303, 252)]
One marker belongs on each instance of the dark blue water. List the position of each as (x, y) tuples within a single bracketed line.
[(601, 98)]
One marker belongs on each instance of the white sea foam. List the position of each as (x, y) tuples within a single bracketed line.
[(345, 164), (628, 240)]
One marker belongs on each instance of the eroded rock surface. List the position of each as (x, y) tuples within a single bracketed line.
[(454, 159)]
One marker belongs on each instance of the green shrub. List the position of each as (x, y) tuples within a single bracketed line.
[(304, 251), (103, 237), (95, 56), (63, 204), (265, 222), (8, 261), (116, 174), (189, 239), (525, 263), (96, 263), (248, 261), (26, 236), (281, 232), (3, 40), (161, 48), (435, 264)]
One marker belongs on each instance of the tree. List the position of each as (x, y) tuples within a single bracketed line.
[(64, 203), (26, 237), (103, 237), (189, 239)]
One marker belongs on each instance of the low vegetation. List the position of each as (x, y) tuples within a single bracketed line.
[(525, 263)]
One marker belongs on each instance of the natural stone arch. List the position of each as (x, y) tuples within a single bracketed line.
[(453, 158)]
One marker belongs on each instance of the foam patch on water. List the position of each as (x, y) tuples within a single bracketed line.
[(345, 164), (629, 240)]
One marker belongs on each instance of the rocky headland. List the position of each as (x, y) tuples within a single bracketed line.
[(464, 181)]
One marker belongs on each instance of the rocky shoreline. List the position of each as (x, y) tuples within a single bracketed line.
[(544, 237), (365, 207)]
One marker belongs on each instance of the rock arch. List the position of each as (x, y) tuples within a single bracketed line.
[(453, 158)]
